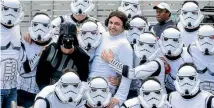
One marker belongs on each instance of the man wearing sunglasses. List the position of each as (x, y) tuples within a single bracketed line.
[(202, 52), (190, 19), (11, 16), (188, 93), (66, 53), (163, 17), (66, 93), (151, 95)]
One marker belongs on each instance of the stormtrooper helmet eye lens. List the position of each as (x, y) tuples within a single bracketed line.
[(181, 78), (151, 45), (157, 92), (201, 37), (175, 40), (131, 28), (45, 25), (64, 85), (141, 43), (35, 24), (191, 77), (15, 9), (141, 29), (83, 32), (94, 32), (165, 39), (75, 85), (6, 8), (146, 93), (104, 90), (126, 4), (86, 0), (93, 89), (135, 6), (211, 37), (184, 12), (195, 13)]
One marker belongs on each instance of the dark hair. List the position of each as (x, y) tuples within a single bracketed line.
[(41, 13), (66, 70), (187, 64), (122, 16), (193, 1)]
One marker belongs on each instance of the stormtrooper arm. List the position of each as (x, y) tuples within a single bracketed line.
[(141, 71), (40, 103)]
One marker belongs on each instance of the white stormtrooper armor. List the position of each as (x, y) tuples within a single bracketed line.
[(41, 36), (98, 94), (89, 37), (188, 94), (202, 53), (130, 8), (138, 26), (11, 12), (191, 15), (82, 6), (170, 42), (41, 28), (151, 95), (67, 93), (146, 61), (190, 19)]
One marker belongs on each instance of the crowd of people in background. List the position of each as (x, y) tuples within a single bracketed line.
[(72, 61)]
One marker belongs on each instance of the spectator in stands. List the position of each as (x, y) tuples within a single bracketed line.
[(11, 16), (64, 54), (115, 39), (163, 17)]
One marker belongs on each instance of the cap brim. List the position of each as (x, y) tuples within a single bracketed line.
[(155, 7)]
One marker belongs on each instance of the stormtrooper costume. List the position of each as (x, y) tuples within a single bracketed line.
[(40, 32), (174, 53), (89, 37), (146, 61), (98, 93), (190, 19), (188, 94), (11, 16), (78, 7), (137, 26), (151, 95), (202, 52), (66, 93), (130, 8)]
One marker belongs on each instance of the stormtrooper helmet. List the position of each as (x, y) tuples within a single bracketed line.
[(170, 42), (146, 49), (152, 94), (187, 82), (11, 12), (130, 8), (41, 28), (89, 36), (82, 6), (191, 15), (137, 26), (98, 94), (69, 88), (205, 41)]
